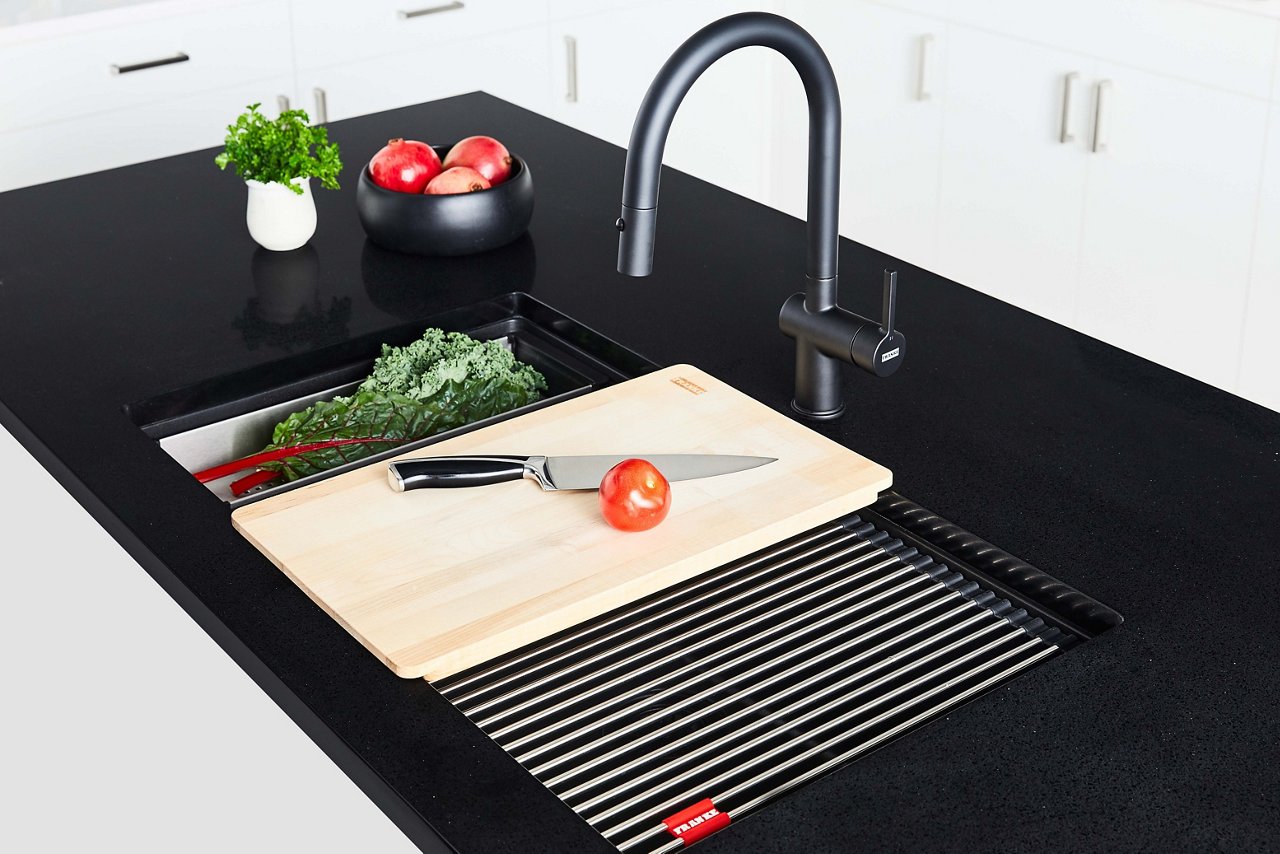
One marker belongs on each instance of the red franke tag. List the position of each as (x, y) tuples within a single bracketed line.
[(690, 825)]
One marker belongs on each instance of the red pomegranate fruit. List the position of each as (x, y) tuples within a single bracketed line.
[(485, 155), (404, 165), (458, 179)]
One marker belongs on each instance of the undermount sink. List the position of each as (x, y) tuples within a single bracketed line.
[(726, 692), (231, 417)]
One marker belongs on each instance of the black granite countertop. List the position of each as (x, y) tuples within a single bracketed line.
[(1152, 492)]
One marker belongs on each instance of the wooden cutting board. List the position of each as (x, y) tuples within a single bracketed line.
[(434, 581)]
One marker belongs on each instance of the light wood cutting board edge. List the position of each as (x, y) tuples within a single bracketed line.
[(469, 654)]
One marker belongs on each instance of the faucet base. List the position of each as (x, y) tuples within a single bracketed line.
[(823, 337), (825, 415)]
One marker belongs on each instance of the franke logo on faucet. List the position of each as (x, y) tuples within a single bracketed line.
[(887, 356), (689, 386)]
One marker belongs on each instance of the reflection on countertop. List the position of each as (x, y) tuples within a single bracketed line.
[(286, 311), (406, 287)]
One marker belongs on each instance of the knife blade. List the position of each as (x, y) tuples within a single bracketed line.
[(554, 473)]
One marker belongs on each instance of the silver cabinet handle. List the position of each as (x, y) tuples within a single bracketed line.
[(1101, 96), (571, 69), (1067, 132), (151, 63), (282, 103), (924, 91), (405, 14), (322, 106)]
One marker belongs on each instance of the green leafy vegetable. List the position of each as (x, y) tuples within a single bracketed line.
[(279, 151), (390, 419), (437, 383), (419, 370)]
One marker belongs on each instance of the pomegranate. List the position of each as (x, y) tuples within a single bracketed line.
[(458, 179), (404, 165), (485, 155)]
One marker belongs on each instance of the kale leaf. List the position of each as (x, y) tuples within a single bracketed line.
[(419, 370)]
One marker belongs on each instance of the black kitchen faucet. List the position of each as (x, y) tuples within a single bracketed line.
[(825, 333)]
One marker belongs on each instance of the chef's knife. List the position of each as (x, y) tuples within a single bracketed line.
[(554, 473)]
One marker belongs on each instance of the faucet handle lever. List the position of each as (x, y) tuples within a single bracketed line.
[(889, 309), (881, 350)]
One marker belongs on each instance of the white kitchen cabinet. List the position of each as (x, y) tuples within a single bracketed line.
[(1010, 190), (1260, 354), (1275, 71), (940, 9), (590, 88), (54, 78), (328, 32), (512, 64), (1168, 221), (1267, 8), (1188, 39), (562, 9), (603, 64), (891, 69), (118, 137)]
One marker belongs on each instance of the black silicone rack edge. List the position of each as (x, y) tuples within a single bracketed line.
[(1012, 578)]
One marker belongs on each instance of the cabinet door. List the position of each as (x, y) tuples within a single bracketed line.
[(1260, 359), (603, 65), (82, 73), (511, 65), (1189, 39), (890, 66), (1011, 191), (120, 137), (1169, 220), (330, 31)]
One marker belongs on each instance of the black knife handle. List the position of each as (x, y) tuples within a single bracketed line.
[(454, 471)]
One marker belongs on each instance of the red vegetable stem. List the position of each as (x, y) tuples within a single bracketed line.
[(280, 454), (248, 482)]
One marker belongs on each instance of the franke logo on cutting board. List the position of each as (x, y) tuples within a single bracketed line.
[(689, 385)]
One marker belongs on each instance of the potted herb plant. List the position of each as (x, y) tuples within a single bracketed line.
[(277, 158)]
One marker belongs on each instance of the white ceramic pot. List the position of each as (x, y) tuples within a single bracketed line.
[(278, 218)]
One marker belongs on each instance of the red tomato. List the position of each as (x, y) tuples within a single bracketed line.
[(634, 496)]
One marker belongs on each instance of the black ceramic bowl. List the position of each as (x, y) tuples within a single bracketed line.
[(458, 224)]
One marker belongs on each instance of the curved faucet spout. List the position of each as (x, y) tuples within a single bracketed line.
[(653, 122), (826, 335)]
